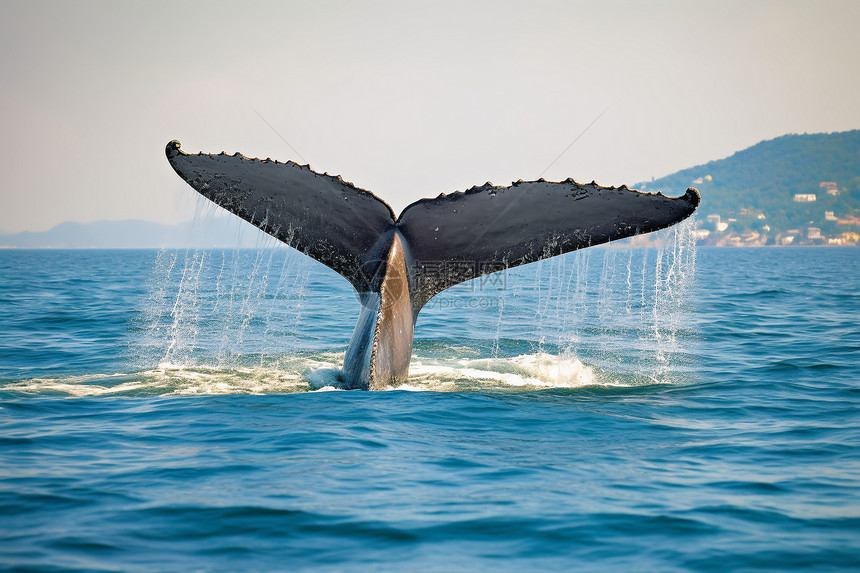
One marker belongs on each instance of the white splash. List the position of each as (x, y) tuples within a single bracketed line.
[(539, 370)]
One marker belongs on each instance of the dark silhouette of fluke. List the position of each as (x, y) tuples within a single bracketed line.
[(398, 263)]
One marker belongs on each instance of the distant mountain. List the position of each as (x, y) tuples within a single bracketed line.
[(212, 232), (795, 189)]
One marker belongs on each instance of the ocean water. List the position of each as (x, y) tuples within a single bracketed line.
[(613, 409)]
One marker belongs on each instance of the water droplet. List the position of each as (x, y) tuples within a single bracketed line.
[(436, 229)]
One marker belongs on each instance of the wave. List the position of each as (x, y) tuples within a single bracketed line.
[(320, 373)]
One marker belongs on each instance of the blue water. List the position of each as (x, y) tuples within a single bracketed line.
[(613, 409)]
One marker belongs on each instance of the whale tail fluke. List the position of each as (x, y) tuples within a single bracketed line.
[(436, 243), (450, 239)]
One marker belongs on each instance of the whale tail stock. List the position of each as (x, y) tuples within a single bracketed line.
[(397, 264)]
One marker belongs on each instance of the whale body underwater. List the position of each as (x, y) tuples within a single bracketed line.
[(397, 264)]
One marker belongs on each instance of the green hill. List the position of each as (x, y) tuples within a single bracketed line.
[(755, 191)]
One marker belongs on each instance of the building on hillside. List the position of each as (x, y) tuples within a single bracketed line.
[(830, 187), (829, 216), (813, 233), (790, 236), (805, 197), (713, 219)]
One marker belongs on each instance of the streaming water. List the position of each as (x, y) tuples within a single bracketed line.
[(617, 309)]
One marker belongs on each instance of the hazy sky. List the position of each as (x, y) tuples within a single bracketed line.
[(405, 99)]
